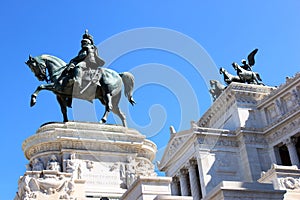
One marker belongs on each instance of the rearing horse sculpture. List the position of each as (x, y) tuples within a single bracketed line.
[(228, 78), (247, 76), (50, 68)]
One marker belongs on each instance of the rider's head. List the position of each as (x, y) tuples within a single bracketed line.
[(244, 61), (86, 35), (85, 42)]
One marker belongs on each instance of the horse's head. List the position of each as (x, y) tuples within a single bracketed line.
[(37, 67), (212, 83), (221, 70), (235, 65)]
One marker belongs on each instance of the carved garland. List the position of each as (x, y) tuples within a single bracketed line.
[(290, 183)]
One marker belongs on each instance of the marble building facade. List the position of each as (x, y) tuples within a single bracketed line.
[(250, 135)]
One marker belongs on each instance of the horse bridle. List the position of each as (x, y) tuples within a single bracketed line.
[(42, 69)]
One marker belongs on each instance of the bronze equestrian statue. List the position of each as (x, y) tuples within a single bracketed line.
[(82, 78)]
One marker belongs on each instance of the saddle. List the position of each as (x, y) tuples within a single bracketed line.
[(90, 77)]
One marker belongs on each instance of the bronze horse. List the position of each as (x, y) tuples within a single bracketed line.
[(107, 90), (247, 76), (229, 78)]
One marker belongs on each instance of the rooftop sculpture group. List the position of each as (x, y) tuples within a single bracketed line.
[(82, 78), (244, 75), (244, 72)]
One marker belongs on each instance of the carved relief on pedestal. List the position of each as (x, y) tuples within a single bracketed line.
[(42, 181), (53, 164), (36, 165), (89, 165), (130, 171), (133, 168), (99, 164), (45, 184), (145, 168), (289, 183), (73, 166)]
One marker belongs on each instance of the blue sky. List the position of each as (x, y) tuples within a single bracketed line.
[(171, 84)]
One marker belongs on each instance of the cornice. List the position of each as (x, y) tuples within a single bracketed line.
[(289, 83), (56, 137), (236, 93)]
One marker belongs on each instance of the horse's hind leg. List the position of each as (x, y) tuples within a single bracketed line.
[(62, 102), (105, 115), (116, 110)]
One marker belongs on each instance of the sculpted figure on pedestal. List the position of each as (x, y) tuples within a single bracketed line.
[(37, 165), (24, 190), (216, 89), (73, 166), (130, 171), (53, 164)]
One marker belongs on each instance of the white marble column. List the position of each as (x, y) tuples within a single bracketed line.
[(183, 179), (175, 188), (290, 143), (274, 155), (194, 180)]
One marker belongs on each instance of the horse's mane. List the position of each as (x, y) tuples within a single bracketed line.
[(54, 59)]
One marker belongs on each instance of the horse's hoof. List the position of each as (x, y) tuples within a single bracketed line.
[(32, 102), (132, 101), (102, 121)]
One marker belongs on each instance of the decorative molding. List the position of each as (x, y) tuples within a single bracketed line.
[(289, 183), (282, 88), (175, 145), (213, 141), (57, 137), (254, 139), (283, 131), (49, 184), (235, 93)]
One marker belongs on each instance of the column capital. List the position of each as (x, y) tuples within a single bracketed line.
[(175, 179), (182, 172), (191, 163), (290, 140)]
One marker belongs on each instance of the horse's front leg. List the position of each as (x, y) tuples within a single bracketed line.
[(38, 89), (104, 117), (63, 107)]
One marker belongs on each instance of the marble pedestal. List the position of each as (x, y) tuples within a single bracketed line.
[(98, 160)]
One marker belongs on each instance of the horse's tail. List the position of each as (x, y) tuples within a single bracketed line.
[(128, 81)]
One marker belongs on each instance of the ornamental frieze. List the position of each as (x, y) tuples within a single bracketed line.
[(254, 139), (216, 141), (289, 183), (288, 128)]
